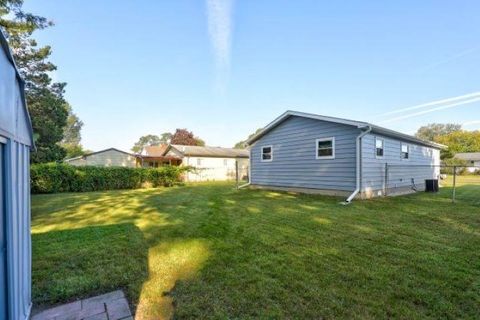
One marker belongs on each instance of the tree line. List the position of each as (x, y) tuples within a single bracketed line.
[(180, 136), (56, 127), (453, 136)]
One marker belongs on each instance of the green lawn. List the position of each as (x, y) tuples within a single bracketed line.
[(210, 251)]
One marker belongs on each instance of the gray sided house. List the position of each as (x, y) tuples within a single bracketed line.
[(15, 143), (312, 153)]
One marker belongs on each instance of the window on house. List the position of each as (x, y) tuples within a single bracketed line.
[(379, 147), (325, 148), (405, 151), (199, 162), (225, 162), (267, 153)]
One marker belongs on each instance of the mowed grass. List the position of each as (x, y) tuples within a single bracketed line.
[(210, 251)]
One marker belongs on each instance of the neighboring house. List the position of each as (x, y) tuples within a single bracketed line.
[(313, 153), (153, 156), (105, 158), (211, 163), (16, 139), (472, 158)]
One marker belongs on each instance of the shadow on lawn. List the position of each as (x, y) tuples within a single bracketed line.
[(215, 251), (80, 263)]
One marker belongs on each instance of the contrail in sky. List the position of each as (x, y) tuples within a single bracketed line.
[(433, 103), (450, 59), (443, 107), (219, 14)]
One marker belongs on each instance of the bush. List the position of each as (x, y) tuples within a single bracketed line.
[(60, 177)]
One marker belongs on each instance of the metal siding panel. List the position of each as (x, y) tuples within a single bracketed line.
[(3, 238), (294, 163), (18, 230), (373, 169)]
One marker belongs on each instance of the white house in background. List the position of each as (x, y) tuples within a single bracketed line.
[(211, 163), (105, 158), (15, 143), (472, 158)]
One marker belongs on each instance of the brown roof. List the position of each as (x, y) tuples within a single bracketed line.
[(155, 151)]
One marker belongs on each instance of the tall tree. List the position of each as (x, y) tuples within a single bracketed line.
[(187, 138), (433, 131), (461, 141), (72, 135), (144, 141), (45, 101), (166, 137), (242, 144)]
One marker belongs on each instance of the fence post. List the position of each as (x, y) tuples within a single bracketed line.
[(454, 182), (385, 187), (236, 172)]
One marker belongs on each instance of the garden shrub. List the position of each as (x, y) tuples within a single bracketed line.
[(60, 177)]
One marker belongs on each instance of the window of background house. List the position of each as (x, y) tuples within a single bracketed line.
[(199, 162), (325, 148), (225, 162), (379, 147), (267, 153), (405, 151)]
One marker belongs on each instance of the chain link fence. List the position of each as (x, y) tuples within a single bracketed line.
[(459, 183)]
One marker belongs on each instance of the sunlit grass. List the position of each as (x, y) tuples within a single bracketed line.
[(210, 251)]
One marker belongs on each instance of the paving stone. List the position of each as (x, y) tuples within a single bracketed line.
[(94, 308), (101, 316), (118, 309), (104, 298), (90, 310), (68, 308)]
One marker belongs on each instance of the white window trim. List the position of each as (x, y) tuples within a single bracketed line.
[(271, 153), (383, 147), (408, 151), (333, 148)]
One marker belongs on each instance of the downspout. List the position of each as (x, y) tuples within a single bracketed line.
[(358, 164)]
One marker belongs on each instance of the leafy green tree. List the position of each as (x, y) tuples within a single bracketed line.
[(242, 144), (144, 141), (166, 137), (72, 135), (461, 141), (451, 135), (45, 100), (433, 131)]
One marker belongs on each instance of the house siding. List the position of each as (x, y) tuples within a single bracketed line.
[(419, 166), (214, 169), (16, 140), (109, 158), (294, 161)]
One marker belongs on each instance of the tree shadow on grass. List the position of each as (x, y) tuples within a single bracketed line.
[(217, 252), (79, 263)]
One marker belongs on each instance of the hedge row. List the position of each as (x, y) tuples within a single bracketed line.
[(59, 177)]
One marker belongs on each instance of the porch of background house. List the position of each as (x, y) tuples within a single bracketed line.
[(155, 162)]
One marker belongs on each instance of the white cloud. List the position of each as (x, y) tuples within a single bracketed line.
[(219, 14)]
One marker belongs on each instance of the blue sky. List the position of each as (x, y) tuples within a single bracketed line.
[(225, 68)]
